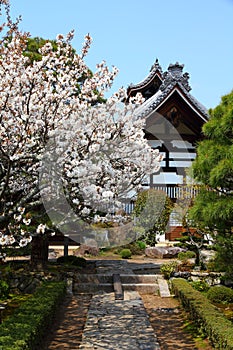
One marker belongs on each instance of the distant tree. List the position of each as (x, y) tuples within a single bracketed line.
[(193, 237), (34, 45), (33, 52), (152, 211), (213, 168)]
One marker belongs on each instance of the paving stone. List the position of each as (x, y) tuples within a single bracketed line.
[(122, 325), (119, 324), (163, 288)]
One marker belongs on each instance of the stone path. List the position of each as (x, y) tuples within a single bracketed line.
[(135, 323), (118, 325)]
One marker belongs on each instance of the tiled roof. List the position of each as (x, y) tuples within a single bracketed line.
[(155, 69), (173, 80), (156, 100)]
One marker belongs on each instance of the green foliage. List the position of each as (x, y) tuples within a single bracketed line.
[(152, 210), (213, 210), (213, 168), (141, 245), (12, 302), (134, 247), (220, 294), (208, 318), (185, 256), (25, 329), (33, 52), (33, 46), (72, 260), (224, 254), (126, 253), (168, 269), (22, 251), (4, 290), (201, 285)]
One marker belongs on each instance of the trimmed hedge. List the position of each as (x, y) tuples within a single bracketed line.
[(25, 329), (220, 294), (211, 321)]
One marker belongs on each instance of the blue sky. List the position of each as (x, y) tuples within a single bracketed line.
[(131, 34)]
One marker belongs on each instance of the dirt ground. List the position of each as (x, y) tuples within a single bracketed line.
[(168, 321), (66, 332)]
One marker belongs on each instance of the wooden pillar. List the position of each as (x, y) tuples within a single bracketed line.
[(39, 252), (66, 245)]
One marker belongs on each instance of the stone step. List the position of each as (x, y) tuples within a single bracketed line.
[(146, 268), (146, 288), (108, 278), (90, 288), (93, 278), (163, 288), (143, 288), (138, 279), (90, 283)]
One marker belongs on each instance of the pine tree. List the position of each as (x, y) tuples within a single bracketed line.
[(213, 167)]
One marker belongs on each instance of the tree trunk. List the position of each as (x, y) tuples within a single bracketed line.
[(39, 252)]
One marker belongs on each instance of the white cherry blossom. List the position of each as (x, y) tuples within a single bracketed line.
[(50, 114)]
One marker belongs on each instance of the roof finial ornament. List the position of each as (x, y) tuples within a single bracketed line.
[(176, 69), (175, 74), (156, 66)]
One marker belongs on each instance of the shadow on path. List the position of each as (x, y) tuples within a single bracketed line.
[(66, 332)]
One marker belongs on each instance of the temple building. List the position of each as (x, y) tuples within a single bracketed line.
[(174, 120)]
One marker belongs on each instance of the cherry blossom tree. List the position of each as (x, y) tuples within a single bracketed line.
[(58, 145)]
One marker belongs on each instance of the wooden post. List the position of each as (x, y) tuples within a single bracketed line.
[(39, 252), (66, 245)]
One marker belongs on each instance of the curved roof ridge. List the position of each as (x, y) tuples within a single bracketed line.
[(154, 101), (155, 70)]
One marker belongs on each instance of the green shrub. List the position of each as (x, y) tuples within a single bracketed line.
[(25, 329), (12, 251), (4, 289), (141, 245), (126, 253), (152, 210), (168, 269), (133, 247), (190, 254), (72, 260), (220, 294), (185, 256), (201, 285), (208, 318)]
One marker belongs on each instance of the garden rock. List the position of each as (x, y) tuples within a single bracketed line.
[(87, 250), (163, 252), (182, 274)]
